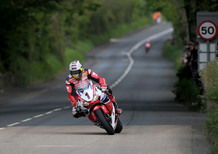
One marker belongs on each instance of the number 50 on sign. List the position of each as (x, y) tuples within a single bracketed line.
[(207, 30)]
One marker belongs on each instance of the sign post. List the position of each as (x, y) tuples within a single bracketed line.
[(207, 23)]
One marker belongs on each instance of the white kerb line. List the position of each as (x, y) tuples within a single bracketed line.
[(134, 48)]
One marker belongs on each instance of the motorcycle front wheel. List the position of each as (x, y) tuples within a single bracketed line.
[(105, 124), (119, 126)]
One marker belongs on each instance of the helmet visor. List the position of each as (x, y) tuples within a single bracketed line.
[(76, 74)]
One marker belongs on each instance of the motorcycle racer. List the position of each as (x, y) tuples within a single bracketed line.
[(147, 45), (74, 80)]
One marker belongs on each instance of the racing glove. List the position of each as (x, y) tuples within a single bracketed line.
[(78, 112), (104, 89)]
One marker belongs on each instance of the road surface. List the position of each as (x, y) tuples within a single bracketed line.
[(39, 120)]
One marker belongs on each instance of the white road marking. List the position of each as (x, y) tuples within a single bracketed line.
[(34, 117), (49, 112), (14, 124), (28, 119), (114, 40), (58, 109), (40, 115), (129, 53), (55, 146)]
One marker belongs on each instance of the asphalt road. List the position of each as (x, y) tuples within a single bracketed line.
[(39, 121)]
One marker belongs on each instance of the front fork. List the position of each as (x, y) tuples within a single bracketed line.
[(108, 108), (92, 115)]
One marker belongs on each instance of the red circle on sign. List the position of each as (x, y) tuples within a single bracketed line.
[(210, 22)]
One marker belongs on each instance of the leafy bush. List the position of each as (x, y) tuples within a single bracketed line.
[(173, 53), (54, 64), (188, 92), (72, 54), (36, 71), (210, 80)]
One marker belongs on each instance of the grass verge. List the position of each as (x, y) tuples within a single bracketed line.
[(212, 129)]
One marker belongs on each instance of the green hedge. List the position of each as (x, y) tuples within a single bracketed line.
[(210, 81), (39, 38)]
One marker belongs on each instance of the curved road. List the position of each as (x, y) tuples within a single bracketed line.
[(38, 120)]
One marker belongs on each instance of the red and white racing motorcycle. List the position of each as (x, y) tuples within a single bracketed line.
[(147, 46), (103, 115)]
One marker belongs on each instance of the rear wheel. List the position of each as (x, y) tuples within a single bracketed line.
[(104, 123), (119, 126)]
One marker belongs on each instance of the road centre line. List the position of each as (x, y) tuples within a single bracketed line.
[(14, 124), (40, 115), (57, 109), (28, 119), (55, 146), (49, 112), (34, 117), (127, 70)]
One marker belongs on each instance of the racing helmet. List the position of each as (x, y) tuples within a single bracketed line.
[(75, 69)]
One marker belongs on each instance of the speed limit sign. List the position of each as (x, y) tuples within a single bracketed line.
[(207, 30)]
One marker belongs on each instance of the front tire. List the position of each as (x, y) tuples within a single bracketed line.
[(119, 126), (105, 124)]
